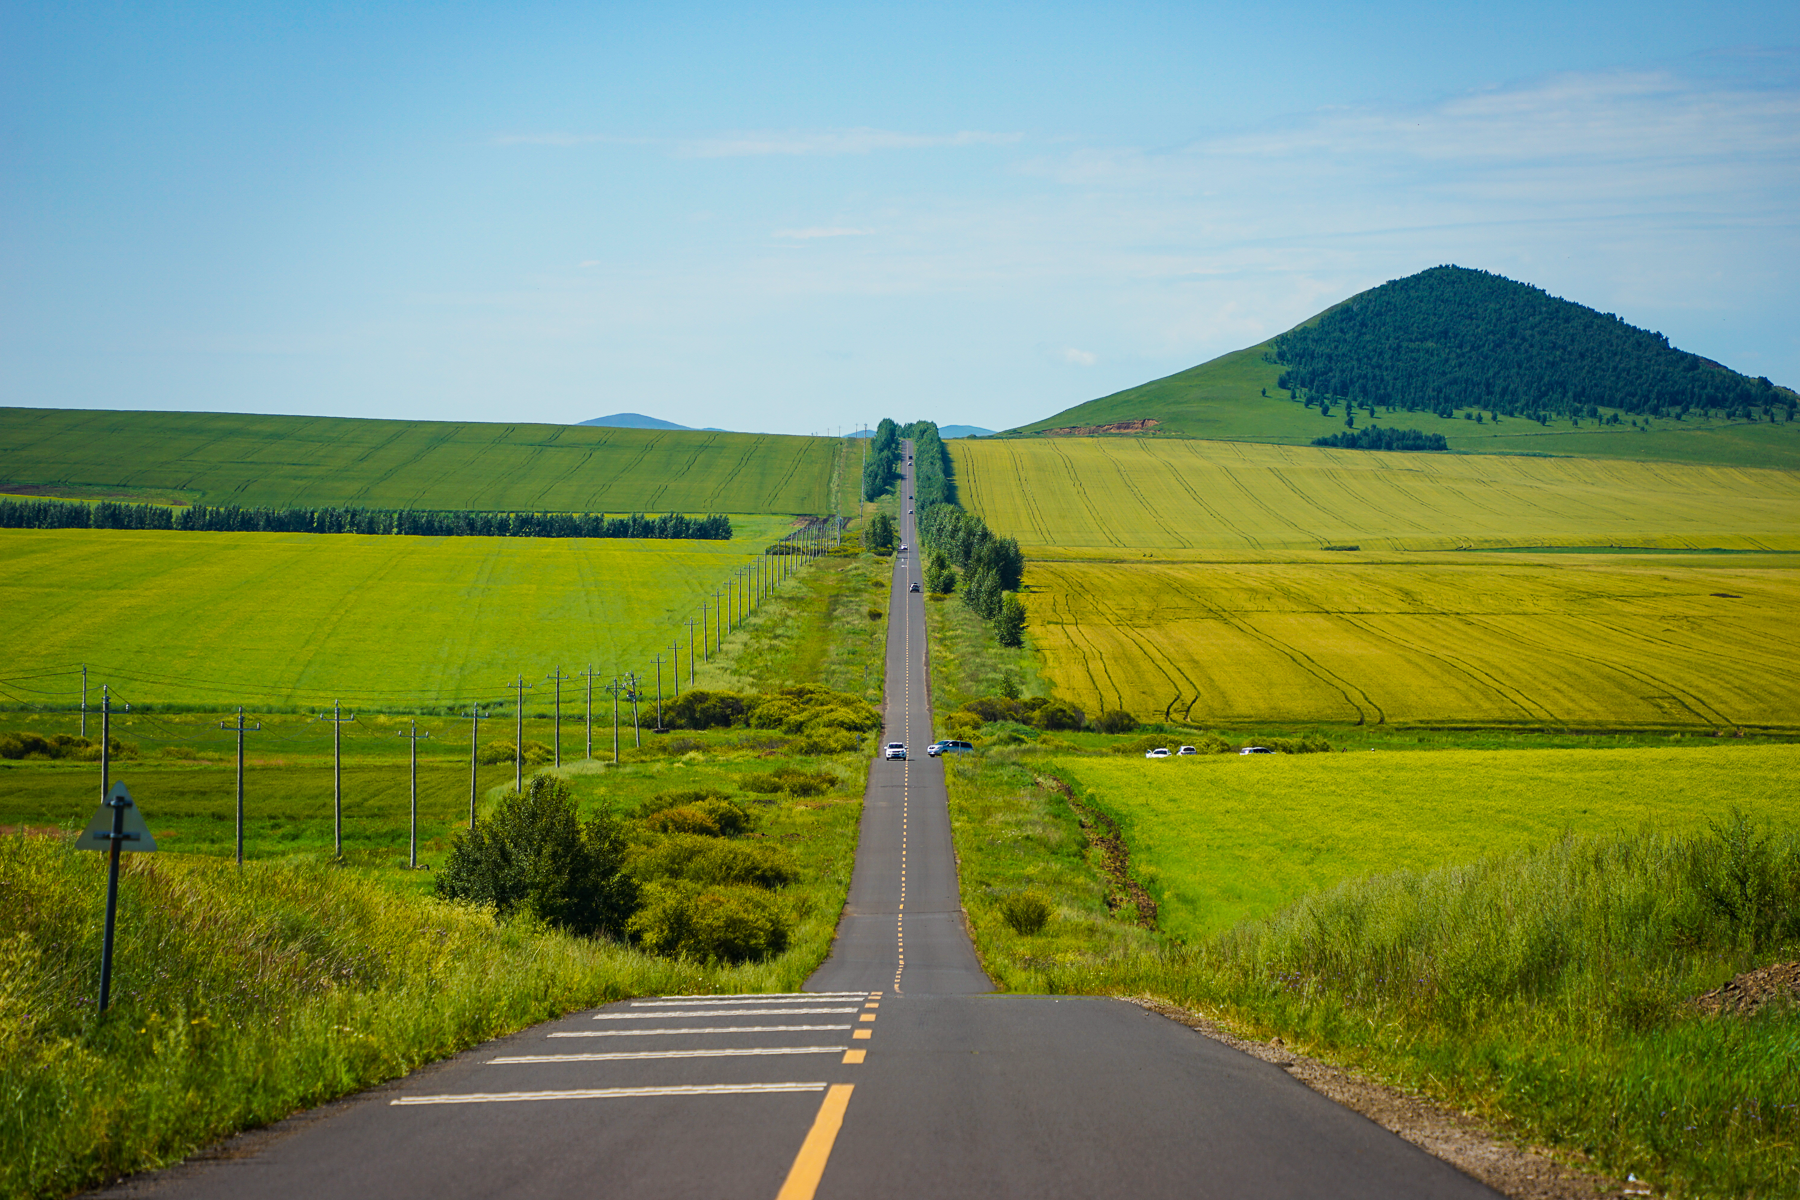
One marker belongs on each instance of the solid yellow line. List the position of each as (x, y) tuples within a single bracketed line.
[(809, 1165)]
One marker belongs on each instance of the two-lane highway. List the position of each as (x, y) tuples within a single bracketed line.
[(896, 1074)]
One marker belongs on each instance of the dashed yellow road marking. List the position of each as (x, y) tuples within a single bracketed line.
[(852, 1057), (809, 1165), (866, 1017), (863, 1034)]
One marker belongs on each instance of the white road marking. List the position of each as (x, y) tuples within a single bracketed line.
[(710, 1029), (718, 1012), (702, 1089), (781, 998), (645, 1054)]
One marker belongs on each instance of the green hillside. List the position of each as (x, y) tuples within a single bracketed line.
[(226, 458), (1504, 348)]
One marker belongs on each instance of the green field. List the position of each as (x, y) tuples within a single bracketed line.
[(1590, 641), (226, 458), (219, 619), (1224, 399), (1084, 496), (1222, 839)]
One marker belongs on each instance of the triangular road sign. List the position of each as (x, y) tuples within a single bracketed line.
[(98, 834)]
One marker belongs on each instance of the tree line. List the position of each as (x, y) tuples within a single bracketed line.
[(1373, 437), (106, 514), (882, 466), (1451, 338)]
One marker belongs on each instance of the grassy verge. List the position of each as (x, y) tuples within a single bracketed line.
[(1542, 982)]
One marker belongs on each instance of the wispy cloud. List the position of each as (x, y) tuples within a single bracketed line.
[(793, 142), (820, 231), (1080, 358)]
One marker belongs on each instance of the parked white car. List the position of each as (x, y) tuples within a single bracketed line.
[(1159, 752), (1187, 750), (895, 750), (1256, 750)]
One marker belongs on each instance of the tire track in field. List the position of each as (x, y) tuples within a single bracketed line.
[(1033, 514), (624, 471), (373, 482), (1129, 633), (1207, 508), (1078, 486), (1137, 493), (1255, 500), (723, 487), (1481, 678), (1643, 677)]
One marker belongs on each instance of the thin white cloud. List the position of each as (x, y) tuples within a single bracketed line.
[(820, 231), (788, 142), (1080, 358)]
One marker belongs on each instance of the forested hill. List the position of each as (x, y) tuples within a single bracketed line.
[(1451, 338)]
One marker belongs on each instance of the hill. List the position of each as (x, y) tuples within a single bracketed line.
[(1450, 344), (227, 458), (632, 421), (963, 431)]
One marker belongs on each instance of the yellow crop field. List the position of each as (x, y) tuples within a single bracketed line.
[(1077, 496), (1577, 640)]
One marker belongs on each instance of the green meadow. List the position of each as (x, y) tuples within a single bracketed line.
[(219, 619), (1221, 839), (231, 458)]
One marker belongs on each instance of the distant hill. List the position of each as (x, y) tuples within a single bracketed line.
[(1435, 349), (958, 431), (633, 421), (279, 461)]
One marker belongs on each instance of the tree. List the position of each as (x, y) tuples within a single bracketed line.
[(940, 576), (880, 537), (535, 855), (1009, 626)]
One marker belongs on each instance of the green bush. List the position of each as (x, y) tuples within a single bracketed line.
[(676, 799), (711, 861), (790, 780), (714, 816), (1058, 715), (706, 710), (495, 753), (535, 855), (1115, 720), (25, 744), (1310, 744), (1026, 912), (723, 923)]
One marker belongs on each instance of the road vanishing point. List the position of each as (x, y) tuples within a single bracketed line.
[(898, 1072)]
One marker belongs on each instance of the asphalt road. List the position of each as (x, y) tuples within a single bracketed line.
[(895, 1074)]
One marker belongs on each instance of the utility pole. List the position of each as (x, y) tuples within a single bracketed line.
[(690, 626), (241, 731), (519, 738), (556, 727), (413, 738), (615, 689), (476, 716), (659, 724), (675, 667), (718, 619), (589, 673), (637, 735), (84, 701), (337, 720)]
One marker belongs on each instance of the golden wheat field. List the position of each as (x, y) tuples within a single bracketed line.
[(1576, 640), (1074, 496)]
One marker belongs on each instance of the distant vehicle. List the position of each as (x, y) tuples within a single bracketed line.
[(909, 512), (1159, 752), (1256, 750), (913, 588), (1187, 750), (904, 547), (895, 750), (949, 746)]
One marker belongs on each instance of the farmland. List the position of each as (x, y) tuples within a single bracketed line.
[(1221, 839), (1498, 639), (217, 619), (278, 461), (1121, 497)]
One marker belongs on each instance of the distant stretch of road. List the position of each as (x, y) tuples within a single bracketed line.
[(896, 1073)]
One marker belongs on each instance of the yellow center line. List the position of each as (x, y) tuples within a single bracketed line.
[(809, 1165)]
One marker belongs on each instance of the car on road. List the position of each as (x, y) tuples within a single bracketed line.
[(1187, 750), (915, 587), (1159, 752), (949, 746), (904, 547), (1256, 750), (894, 750)]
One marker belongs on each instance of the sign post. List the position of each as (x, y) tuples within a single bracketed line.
[(116, 826)]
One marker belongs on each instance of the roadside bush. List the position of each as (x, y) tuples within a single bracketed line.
[(1747, 882), (962, 724), (1115, 720), (495, 753), (723, 923), (705, 710), (1026, 912), (998, 708), (535, 855), (808, 708), (790, 780), (1058, 715), (1310, 744), (26, 744), (711, 861), (675, 799), (826, 741)]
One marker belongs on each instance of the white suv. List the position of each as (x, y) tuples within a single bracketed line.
[(1159, 752), (895, 750)]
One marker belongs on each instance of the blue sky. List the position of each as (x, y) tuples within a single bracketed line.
[(800, 218)]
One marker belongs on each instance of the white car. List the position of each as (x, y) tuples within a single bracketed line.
[(1187, 750), (1159, 752), (1256, 750), (895, 750), (904, 547)]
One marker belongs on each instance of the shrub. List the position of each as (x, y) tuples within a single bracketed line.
[(534, 854), (875, 614), (962, 724), (826, 741), (790, 780), (1310, 744), (998, 708), (711, 861), (1058, 715), (1009, 623), (1026, 912), (25, 744), (705, 710), (495, 753), (708, 812), (725, 923), (1115, 720)]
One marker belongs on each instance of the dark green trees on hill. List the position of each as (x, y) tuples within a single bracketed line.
[(882, 466), (1451, 338)]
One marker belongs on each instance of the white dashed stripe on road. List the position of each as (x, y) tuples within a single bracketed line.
[(709, 1029), (712, 1089), (720, 1012), (787, 998), (634, 1056)]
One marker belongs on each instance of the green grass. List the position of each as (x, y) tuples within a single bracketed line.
[(1223, 399), (218, 619), (1222, 839), (228, 458)]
